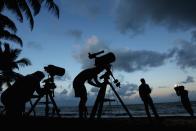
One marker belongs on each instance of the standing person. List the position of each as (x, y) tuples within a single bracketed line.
[(91, 76), (180, 91), (144, 92)]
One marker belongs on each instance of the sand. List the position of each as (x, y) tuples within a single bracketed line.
[(39, 123)]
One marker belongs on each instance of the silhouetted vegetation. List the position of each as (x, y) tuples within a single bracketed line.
[(9, 62), (20, 8)]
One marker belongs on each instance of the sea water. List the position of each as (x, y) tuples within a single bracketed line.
[(116, 111)]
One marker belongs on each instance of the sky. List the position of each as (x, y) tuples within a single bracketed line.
[(154, 39)]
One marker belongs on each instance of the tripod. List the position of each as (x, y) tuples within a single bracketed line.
[(101, 97), (49, 94)]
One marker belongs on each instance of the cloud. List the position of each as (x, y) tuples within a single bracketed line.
[(83, 7), (34, 45), (193, 39), (185, 53), (64, 91), (163, 87), (128, 89), (130, 61), (126, 60), (92, 45), (66, 76), (134, 15), (77, 34), (189, 79)]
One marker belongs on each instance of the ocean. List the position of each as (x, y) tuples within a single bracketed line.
[(117, 111)]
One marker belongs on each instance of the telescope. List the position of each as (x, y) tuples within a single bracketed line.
[(94, 55), (105, 61), (48, 90), (54, 70)]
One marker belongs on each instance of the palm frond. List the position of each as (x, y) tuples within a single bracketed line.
[(1, 50), (24, 7), (7, 48), (14, 53), (4, 34), (52, 7), (6, 22), (13, 6), (36, 5), (23, 62), (1, 5)]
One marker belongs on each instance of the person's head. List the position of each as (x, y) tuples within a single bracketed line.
[(179, 90), (38, 75), (142, 80)]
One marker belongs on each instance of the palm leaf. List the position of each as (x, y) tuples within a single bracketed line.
[(6, 22), (1, 50), (1, 5), (23, 62), (36, 5), (14, 53), (4, 34), (52, 7), (13, 6), (24, 7)]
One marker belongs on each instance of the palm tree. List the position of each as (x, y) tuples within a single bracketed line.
[(22, 6), (18, 7), (8, 29), (8, 62)]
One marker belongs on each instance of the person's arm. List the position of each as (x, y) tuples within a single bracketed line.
[(39, 90), (148, 88), (96, 83), (91, 82)]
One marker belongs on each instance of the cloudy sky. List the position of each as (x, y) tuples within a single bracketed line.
[(152, 39)]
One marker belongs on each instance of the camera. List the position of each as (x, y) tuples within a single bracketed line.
[(54, 70)]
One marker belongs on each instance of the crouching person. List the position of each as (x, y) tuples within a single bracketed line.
[(15, 97)]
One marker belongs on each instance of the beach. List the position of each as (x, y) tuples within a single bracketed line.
[(105, 123), (172, 116)]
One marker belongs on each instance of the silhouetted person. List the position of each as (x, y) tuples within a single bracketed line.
[(91, 76), (180, 91), (15, 97), (144, 92)]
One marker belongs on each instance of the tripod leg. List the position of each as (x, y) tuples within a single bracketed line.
[(94, 110), (120, 100), (101, 102), (33, 109), (47, 106), (55, 105), (33, 106), (97, 102)]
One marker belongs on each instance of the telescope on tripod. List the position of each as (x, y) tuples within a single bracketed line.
[(105, 61), (48, 90)]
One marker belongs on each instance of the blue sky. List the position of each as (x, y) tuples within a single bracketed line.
[(149, 41)]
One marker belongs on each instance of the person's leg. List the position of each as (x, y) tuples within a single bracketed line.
[(82, 104), (146, 108), (152, 107), (187, 106), (82, 107)]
